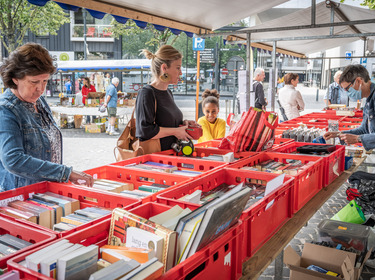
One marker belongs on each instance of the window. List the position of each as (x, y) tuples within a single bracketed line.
[(96, 29)]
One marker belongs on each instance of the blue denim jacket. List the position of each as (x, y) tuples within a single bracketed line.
[(25, 151), (367, 136)]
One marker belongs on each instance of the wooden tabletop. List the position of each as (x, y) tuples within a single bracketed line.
[(254, 267)]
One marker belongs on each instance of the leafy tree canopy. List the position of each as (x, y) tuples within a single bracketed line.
[(18, 16)]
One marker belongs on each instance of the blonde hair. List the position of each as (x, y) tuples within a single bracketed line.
[(210, 96), (165, 55)]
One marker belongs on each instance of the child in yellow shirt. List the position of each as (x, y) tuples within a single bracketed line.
[(212, 126)]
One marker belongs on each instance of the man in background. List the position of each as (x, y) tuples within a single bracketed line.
[(260, 100), (336, 94), (111, 104), (68, 86)]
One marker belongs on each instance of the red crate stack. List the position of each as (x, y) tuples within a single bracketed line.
[(87, 197), (256, 231), (308, 182), (333, 164)]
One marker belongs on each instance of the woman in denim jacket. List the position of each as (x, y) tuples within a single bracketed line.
[(356, 81), (30, 142)]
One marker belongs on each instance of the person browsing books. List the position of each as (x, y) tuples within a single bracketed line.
[(290, 98), (212, 126), (164, 122), (87, 87), (355, 80), (30, 141)]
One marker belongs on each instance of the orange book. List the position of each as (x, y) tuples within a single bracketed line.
[(138, 254)]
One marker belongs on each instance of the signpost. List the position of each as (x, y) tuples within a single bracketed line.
[(206, 56), (198, 45), (348, 55)]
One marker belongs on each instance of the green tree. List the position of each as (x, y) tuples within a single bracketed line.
[(18, 16), (368, 3), (135, 39)]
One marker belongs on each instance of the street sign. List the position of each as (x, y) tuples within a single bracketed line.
[(363, 61), (348, 55), (224, 71), (198, 44), (206, 56)]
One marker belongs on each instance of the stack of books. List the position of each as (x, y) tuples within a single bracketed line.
[(166, 168), (112, 186), (291, 167), (53, 211), (144, 190), (10, 244), (64, 260)]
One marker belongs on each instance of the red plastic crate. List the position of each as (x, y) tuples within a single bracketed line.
[(137, 177), (35, 236), (182, 163), (209, 144), (210, 261), (203, 152), (256, 230), (308, 182), (333, 164), (87, 197)]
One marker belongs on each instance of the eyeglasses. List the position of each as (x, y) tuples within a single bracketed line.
[(347, 88)]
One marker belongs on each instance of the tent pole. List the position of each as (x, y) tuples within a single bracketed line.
[(273, 79), (313, 12), (249, 65)]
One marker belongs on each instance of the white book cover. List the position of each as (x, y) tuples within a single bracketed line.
[(171, 224), (139, 238), (166, 215), (48, 266), (33, 260), (79, 264), (194, 197)]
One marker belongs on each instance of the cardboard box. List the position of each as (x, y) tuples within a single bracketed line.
[(95, 128), (95, 95), (331, 259)]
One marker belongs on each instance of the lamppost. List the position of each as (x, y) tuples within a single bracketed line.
[(84, 35)]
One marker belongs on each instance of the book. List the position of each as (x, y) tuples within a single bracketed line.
[(193, 197), (78, 264), (151, 189), (6, 250), (75, 219), (43, 214), (139, 238), (186, 237), (138, 254), (107, 188), (218, 218), (102, 264), (115, 271), (122, 219), (63, 227), (69, 205), (123, 186), (170, 218), (189, 173), (113, 256), (10, 275), (171, 224), (18, 214), (166, 167), (14, 242), (33, 260), (55, 217), (48, 266), (153, 269)]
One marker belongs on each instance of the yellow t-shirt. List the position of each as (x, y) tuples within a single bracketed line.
[(211, 130)]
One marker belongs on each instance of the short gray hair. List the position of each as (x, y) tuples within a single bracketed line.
[(338, 73), (258, 71), (115, 80)]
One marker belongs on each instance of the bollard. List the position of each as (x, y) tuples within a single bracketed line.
[(317, 94)]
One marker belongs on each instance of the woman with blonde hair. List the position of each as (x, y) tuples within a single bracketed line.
[(212, 126), (157, 115), (290, 98)]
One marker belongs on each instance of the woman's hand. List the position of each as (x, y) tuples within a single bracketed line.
[(331, 134), (181, 133), (349, 138), (191, 123), (81, 178)]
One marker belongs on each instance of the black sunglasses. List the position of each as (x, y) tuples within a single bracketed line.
[(347, 88)]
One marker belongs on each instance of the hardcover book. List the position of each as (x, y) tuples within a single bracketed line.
[(122, 219)]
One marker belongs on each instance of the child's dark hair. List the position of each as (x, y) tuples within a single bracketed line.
[(210, 96)]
